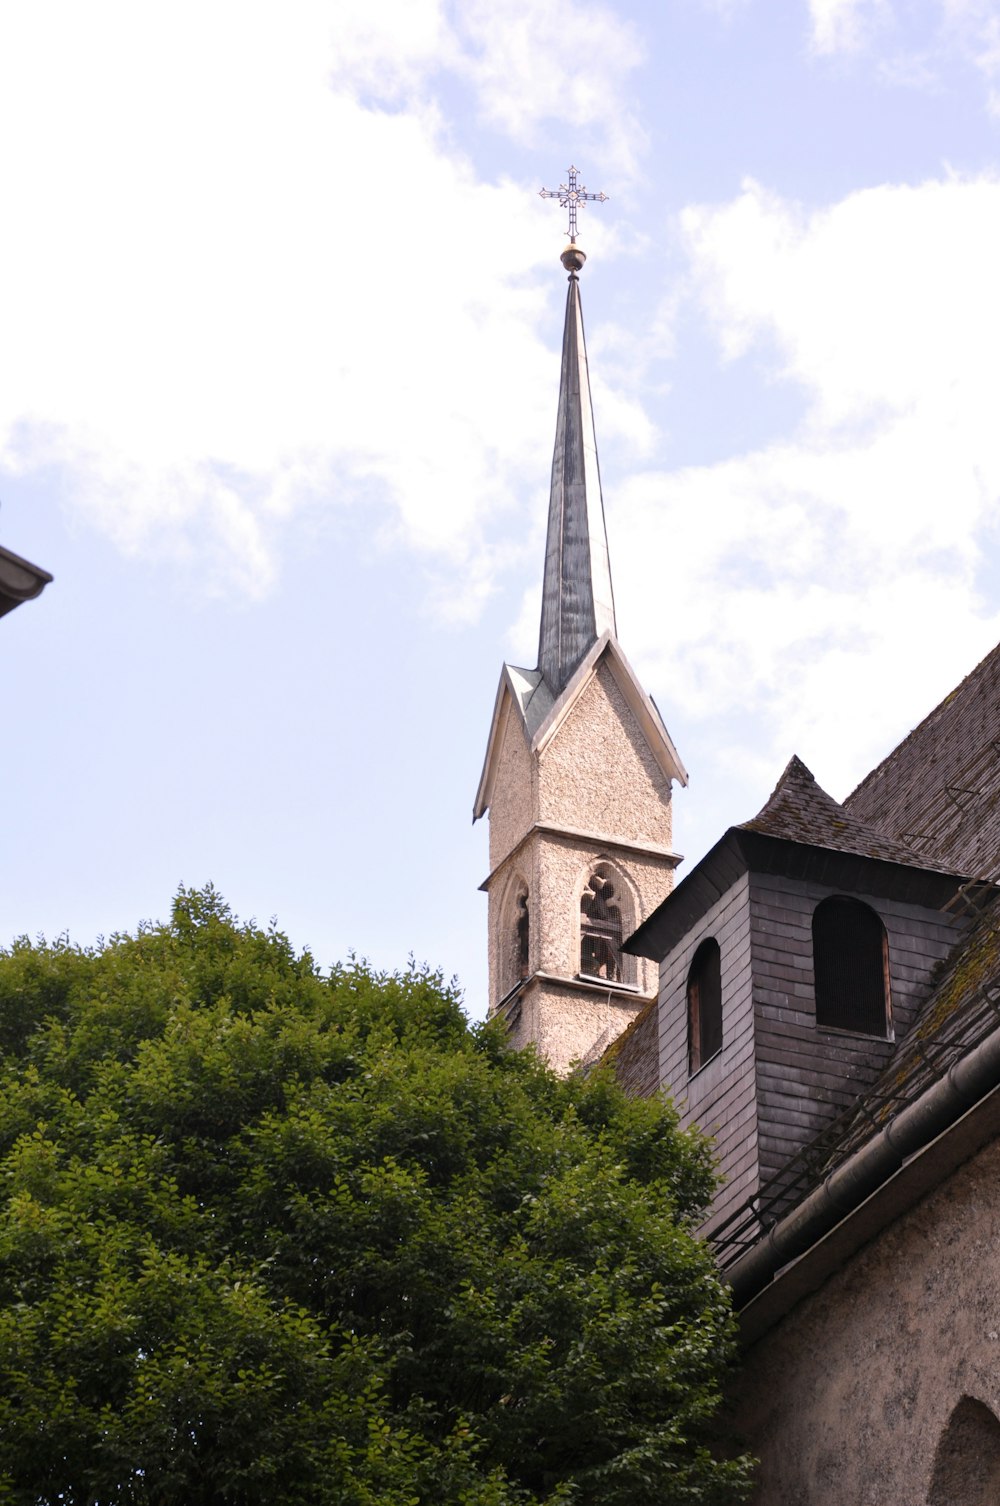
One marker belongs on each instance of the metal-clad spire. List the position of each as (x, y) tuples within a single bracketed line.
[(578, 604)]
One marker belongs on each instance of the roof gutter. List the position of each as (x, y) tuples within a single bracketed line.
[(846, 1188)]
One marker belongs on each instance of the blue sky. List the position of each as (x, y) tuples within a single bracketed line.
[(281, 313)]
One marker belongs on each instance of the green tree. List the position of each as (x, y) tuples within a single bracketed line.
[(273, 1236)]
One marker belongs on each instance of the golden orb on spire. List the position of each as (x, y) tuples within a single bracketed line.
[(573, 258)]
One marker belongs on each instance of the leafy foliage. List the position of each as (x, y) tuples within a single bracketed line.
[(270, 1236)]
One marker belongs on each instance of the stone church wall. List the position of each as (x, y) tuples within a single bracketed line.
[(598, 774), (512, 803), (849, 1398), (568, 1025)]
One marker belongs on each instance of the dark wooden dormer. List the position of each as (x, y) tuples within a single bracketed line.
[(828, 933)]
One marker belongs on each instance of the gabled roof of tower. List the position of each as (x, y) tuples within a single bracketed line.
[(578, 603), (801, 832), (542, 714)]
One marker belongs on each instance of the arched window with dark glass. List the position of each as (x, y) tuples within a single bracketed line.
[(606, 918), (704, 1004), (851, 967)]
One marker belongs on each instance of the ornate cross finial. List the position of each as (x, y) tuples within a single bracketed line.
[(571, 195)]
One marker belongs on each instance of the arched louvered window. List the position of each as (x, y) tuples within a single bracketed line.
[(851, 967), (704, 1003), (606, 918)]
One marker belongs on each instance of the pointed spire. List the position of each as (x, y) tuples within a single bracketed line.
[(578, 603)]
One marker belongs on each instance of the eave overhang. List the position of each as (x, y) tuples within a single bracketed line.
[(526, 691), (741, 851), (20, 581)]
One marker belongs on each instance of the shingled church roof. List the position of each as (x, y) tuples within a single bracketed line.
[(939, 790), (798, 810)]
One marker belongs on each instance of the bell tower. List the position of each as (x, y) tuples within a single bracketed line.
[(578, 771)]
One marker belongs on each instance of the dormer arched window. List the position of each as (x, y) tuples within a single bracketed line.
[(704, 1005), (606, 918), (851, 967)]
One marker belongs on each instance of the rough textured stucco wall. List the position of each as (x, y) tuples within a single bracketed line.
[(523, 864), (598, 774), (555, 870), (720, 1098), (568, 1027), (806, 1075), (513, 806), (849, 1397)]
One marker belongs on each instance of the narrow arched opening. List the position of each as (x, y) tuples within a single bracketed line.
[(515, 937), (704, 1005), (967, 1459)]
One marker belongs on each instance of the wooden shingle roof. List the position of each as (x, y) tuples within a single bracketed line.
[(798, 810), (939, 791)]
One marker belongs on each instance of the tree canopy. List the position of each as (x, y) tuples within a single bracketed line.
[(271, 1235)]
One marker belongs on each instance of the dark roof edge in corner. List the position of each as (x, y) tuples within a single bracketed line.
[(20, 580), (965, 1083)]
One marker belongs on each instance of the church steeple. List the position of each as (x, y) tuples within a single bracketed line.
[(578, 768), (578, 602)]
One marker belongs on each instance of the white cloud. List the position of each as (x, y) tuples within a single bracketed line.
[(230, 290), (842, 25), (529, 63), (920, 39), (974, 26), (802, 593), (526, 74)]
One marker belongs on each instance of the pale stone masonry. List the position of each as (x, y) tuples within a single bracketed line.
[(577, 777)]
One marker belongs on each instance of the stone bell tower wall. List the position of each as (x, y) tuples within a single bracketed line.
[(514, 801), (598, 773)]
